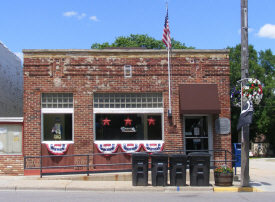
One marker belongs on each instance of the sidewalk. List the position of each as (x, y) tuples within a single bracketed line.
[(261, 171), (103, 183)]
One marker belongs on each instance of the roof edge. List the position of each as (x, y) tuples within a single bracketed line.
[(222, 51)]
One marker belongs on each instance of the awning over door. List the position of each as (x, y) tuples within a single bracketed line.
[(199, 99)]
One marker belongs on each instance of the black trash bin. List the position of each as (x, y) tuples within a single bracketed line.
[(140, 169), (159, 168), (177, 164), (199, 168)]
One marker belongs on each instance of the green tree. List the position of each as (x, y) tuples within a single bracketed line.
[(140, 40), (266, 115), (261, 66)]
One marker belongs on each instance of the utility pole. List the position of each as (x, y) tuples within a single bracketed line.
[(244, 75)]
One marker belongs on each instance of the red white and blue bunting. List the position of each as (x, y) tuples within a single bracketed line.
[(57, 149), (130, 147), (153, 147), (107, 148)]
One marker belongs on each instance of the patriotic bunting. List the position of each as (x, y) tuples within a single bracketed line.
[(130, 148), (57, 149), (153, 147), (107, 148)]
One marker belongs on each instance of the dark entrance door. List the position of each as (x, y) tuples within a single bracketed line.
[(196, 133)]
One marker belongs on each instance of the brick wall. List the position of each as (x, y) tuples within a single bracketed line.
[(84, 72), (11, 165)]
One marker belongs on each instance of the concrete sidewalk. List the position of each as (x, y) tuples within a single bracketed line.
[(261, 171), (102, 183)]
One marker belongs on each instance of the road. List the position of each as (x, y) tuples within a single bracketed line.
[(60, 196)]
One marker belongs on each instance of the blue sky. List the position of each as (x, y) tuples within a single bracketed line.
[(77, 24)]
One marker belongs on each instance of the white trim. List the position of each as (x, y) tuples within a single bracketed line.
[(57, 142), (127, 141), (127, 71), (57, 110), (127, 110), (12, 154), (11, 119), (144, 111)]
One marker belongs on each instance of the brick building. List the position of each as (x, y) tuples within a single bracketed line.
[(112, 100)]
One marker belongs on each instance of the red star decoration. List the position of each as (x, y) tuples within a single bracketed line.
[(106, 122), (151, 121), (128, 121)]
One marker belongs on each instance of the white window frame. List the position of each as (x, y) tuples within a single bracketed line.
[(57, 111), (130, 111), (127, 71)]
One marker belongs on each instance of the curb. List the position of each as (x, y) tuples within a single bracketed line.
[(236, 189)]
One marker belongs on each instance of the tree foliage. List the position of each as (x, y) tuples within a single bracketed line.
[(261, 67), (140, 40)]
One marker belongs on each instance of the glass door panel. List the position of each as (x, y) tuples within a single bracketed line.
[(196, 133)]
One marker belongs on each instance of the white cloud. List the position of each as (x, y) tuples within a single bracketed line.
[(70, 13), (268, 31), (20, 55), (74, 14), (94, 18), (82, 16)]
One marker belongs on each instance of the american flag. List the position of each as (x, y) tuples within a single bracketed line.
[(166, 32)]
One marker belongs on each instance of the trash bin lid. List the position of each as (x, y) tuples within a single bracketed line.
[(159, 155), (178, 155), (144, 154), (199, 154)]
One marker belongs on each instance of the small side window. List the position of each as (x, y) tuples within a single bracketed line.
[(127, 71)]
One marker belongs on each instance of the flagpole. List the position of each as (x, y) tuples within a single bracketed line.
[(169, 80), (167, 41), (169, 84)]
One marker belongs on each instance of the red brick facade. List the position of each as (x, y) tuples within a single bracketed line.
[(84, 72), (11, 165)]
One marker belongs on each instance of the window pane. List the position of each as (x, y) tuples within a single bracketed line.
[(56, 100), (128, 100), (10, 139), (128, 127), (57, 127)]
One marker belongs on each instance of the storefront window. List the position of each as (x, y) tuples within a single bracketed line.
[(57, 117), (57, 127), (128, 127), (128, 116), (10, 139)]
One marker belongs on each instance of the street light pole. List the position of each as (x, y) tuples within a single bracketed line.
[(244, 75)]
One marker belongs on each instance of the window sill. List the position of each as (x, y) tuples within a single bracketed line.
[(57, 142), (13, 154), (127, 141)]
